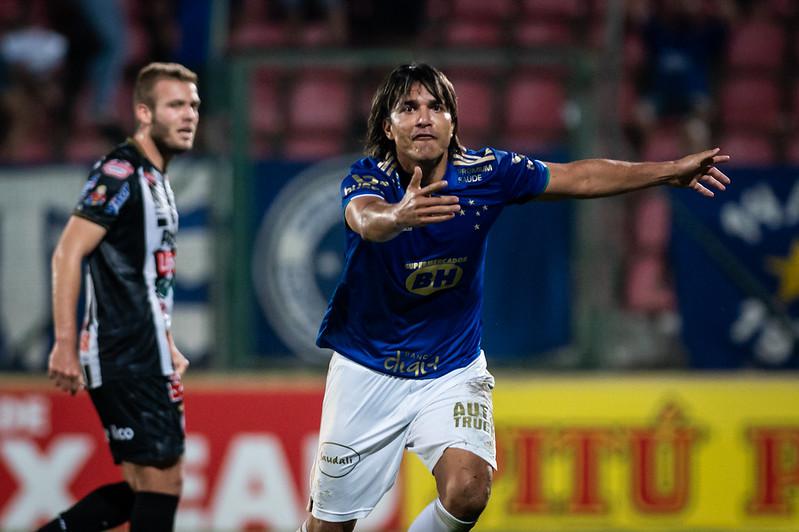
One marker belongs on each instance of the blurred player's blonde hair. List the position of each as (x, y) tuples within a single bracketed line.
[(150, 74), (396, 85)]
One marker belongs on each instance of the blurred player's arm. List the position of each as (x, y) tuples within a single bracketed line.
[(591, 178), (377, 220), (79, 238)]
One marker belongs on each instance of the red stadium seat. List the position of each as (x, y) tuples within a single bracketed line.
[(480, 9), (254, 33), (627, 100), (782, 8), (748, 149), (534, 103), (266, 103), (542, 32), (634, 53), (560, 9), (651, 221), (750, 102), (320, 101), (469, 33), (304, 147), (757, 45), (646, 286), (87, 147), (663, 144), (136, 48), (794, 103), (31, 150), (476, 98), (792, 150)]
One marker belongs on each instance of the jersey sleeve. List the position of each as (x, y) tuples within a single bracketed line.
[(523, 178), (106, 192), (363, 182)]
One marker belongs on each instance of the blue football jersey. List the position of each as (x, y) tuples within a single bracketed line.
[(411, 306)]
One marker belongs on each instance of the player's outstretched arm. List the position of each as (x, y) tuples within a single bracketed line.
[(79, 238), (377, 220), (591, 178)]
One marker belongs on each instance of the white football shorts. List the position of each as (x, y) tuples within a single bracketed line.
[(369, 419)]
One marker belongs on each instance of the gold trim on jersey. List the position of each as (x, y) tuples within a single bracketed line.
[(463, 159), (388, 165)]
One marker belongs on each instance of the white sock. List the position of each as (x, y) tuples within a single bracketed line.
[(436, 518)]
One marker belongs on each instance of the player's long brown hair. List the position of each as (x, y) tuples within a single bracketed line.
[(150, 74), (396, 86)]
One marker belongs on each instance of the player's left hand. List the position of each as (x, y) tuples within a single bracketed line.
[(698, 172)]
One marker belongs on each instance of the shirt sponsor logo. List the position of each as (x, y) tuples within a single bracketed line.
[(474, 174), (473, 415), (117, 168), (120, 433), (366, 182), (407, 364), (336, 460), (433, 278), (118, 200)]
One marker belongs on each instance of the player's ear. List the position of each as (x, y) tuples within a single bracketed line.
[(387, 129), (144, 115)]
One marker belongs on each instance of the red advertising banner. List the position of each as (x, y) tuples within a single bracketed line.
[(249, 451)]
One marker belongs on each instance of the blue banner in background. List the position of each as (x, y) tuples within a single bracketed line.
[(298, 256), (736, 269)]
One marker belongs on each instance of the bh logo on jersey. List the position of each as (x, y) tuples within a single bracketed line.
[(433, 278)]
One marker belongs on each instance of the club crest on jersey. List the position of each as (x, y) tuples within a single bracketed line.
[(96, 197), (117, 168)]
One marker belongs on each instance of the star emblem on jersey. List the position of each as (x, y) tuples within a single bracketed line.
[(476, 227), (471, 202)]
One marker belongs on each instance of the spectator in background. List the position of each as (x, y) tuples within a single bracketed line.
[(32, 56), (684, 41), (385, 23), (334, 12), (108, 21), (96, 31)]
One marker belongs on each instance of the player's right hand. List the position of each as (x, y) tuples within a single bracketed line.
[(63, 368), (420, 207)]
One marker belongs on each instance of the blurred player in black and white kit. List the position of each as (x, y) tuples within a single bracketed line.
[(124, 225)]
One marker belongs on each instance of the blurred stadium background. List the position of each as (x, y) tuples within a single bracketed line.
[(645, 346)]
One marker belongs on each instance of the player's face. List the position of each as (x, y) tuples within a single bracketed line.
[(176, 114), (420, 126)]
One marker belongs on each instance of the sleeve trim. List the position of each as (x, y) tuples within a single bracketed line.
[(81, 214)]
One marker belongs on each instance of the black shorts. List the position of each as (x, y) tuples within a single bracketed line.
[(143, 419)]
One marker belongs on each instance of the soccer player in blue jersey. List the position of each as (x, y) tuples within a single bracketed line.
[(408, 371)]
